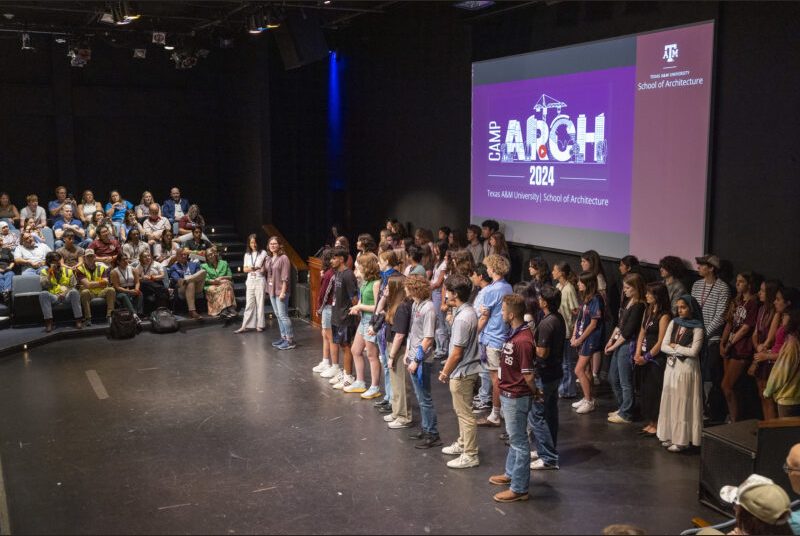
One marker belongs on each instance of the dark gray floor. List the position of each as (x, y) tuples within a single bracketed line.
[(211, 432)]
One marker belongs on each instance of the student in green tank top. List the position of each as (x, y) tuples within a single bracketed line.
[(368, 271)]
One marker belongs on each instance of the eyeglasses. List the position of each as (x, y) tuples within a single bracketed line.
[(789, 470)]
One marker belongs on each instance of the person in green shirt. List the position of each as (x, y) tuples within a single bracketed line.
[(218, 286)]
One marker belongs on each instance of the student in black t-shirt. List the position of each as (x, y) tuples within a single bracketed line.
[(398, 318), (343, 326), (549, 336)]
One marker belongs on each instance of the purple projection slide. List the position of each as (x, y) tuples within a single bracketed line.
[(556, 150), (602, 145)]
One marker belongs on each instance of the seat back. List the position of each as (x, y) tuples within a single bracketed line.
[(49, 237)]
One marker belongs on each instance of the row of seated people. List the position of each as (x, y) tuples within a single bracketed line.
[(174, 208), (130, 285)]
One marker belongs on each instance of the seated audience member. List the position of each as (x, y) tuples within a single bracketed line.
[(516, 383), (143, 208), (105, 247), (219, 285), (549, 339), (56, 206), (672, 271), (134, 247), (8, 211), (6, 271), (116, 208), (155, 225), (197, 245), (792, 468), (68, 223), (99, 220), (767, 323), (783, 384), (151, 280), (187, 278), (125, 280), (460, 371), (129, 223), (680, 417), (30, 227), (30, 255), (71, 255), (94, 283), (33, 210), (189, 222), (474, 243), (165, 250), (7, 238), (88, 206), (175, 207), (58, 286), (760, 506)]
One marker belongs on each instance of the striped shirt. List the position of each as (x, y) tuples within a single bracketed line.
[(713, 299)]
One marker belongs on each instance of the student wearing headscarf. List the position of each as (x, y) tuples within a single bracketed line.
[(680, 420)]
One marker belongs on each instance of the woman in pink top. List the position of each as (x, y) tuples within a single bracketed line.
[(767, 323), (278, 270)]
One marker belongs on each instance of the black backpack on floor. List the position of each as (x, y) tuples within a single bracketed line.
[(163, 321), (123, 325)]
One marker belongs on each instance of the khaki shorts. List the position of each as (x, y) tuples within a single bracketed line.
[(493, 358)]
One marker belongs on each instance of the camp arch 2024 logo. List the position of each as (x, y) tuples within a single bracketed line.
[(560, 141)]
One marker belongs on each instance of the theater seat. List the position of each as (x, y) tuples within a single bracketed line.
[(25, 291), (49, 237)]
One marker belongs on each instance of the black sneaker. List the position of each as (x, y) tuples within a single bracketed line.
[(478, 407), (417, 435), (504, 436), (384, 410), (429, 441), (381, 403)]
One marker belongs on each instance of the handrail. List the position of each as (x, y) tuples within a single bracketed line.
[(294, 257)]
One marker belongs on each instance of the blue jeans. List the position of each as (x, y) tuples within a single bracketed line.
[(47, 300), (543, 420), (569, 385), (384, 357), (442, 333), (485, 391), (6, 279), (620, 375), (425, 400), (281, 308), (518, 461)]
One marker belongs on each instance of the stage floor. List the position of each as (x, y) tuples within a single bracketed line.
[(210, 432)]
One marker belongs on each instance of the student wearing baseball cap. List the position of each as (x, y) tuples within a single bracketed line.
[(761, 507)]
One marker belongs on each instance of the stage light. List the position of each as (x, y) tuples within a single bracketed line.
[(327, 2), (128, 13), (252, 25), (26, 42), (60, 40), (271, 21)]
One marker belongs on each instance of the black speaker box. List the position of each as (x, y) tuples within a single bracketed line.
[(732, 452), (300, 39)]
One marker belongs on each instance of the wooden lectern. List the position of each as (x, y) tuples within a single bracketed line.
[(315, 280)]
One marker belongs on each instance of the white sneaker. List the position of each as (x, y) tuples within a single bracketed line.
[(453, 450), (464, 462), (388, 418), (336, 378), (355, 387), (539, 465), (586, 407), (612, 413), (534, 455), (345, 381), (399, 423), (321, 367), (373, 392), (330, 372), (578, 404)]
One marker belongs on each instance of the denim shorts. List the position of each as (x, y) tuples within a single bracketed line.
[(363, 325), (591, 345), (326, 317)]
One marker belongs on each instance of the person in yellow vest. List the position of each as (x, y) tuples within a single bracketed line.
[(94, 283), (58, 285)]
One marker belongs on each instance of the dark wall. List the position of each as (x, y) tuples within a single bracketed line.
[(118, 123), (407, 113)]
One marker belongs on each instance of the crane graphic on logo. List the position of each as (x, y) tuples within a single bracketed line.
[(560, 141)]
